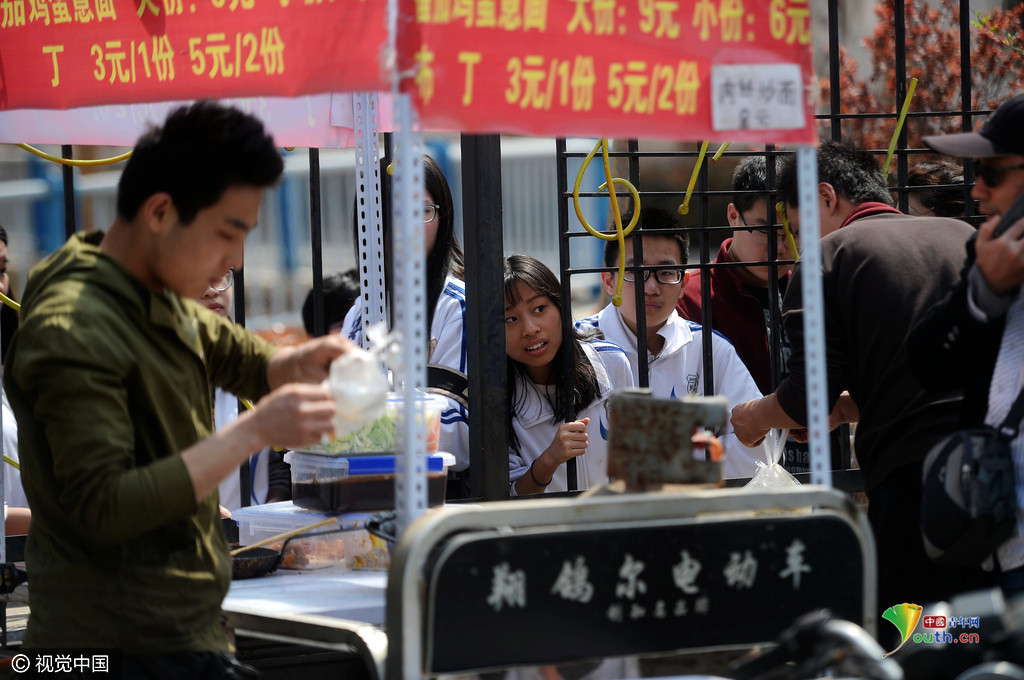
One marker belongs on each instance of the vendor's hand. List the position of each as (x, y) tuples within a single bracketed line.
[(844, 411), (294, 416), (746, 425), (309, 362), (570, 441), (1001, 259), (224, 513)]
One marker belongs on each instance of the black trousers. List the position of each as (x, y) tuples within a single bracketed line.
[(905, 572)]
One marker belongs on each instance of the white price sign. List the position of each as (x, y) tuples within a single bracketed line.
[(757, 97)]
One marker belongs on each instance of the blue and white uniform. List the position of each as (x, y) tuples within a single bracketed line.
[(535, 424), (447, 348), (225, 411), (677, 371)]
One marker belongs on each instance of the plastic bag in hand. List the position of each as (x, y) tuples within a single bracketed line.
[(772, 475), (360, 390)]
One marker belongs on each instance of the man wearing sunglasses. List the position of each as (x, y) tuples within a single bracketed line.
[(972, 338), (675, 356)]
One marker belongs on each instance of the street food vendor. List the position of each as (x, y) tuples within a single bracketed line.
[(111, 375)]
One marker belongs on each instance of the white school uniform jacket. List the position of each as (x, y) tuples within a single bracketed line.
[(447, 348), (535, 426), (225, 410), (14, 493), (678, 371)]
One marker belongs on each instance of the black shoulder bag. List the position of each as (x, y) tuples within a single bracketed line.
[(968, 499)]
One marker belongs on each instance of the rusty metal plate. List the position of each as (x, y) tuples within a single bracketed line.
[(649, 439)]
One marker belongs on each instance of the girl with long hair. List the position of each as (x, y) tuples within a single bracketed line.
[(446, 308), (546, 426)]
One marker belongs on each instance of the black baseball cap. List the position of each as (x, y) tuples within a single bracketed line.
[(1001, 135)]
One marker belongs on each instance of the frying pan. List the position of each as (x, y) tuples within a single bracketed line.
[(255, 562)]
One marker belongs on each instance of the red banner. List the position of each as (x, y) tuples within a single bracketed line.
[(58, 54), (737, 70)]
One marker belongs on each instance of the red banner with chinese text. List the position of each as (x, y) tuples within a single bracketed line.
[(57, 54), (737, 70)]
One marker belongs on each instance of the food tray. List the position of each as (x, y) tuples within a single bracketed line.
[(346, 484), (380, 437), (321, 548)]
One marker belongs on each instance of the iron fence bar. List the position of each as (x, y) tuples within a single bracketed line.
[(68, 175), (566, 380), (704, 218), (316, 242), (833, 71), (899, 13), (644, 369), (966, 95), (485, 313)]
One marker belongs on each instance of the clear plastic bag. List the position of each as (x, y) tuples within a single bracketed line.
[(359, 385), (772, 475)]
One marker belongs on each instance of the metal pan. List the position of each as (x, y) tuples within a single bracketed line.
[(255, 562)]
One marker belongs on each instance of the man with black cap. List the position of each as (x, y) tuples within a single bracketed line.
[(974, 338)]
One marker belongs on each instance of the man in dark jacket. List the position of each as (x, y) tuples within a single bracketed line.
[(880, 271), (973, 338)]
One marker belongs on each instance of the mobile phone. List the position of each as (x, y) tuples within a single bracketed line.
[(1015, 212)]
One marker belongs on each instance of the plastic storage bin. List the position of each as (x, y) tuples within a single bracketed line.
[(359, 483), (380, 436), (352, 549)]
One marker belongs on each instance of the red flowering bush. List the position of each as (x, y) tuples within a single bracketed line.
[(933, 57)]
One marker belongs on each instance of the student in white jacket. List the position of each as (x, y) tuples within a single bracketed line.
[(675, 355), (269, 475), (445, 309), (540, 441)]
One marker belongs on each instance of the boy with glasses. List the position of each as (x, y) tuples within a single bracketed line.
[(269, 477), (674, 346), (972, 338)]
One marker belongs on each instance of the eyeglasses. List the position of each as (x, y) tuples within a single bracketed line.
[(992, 174), (429, 212), (764, 232), (666, 277), (225, 283)]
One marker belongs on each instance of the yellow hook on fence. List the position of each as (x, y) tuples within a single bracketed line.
[(71, 161), (684, 208), (620, 233), (780, 208)]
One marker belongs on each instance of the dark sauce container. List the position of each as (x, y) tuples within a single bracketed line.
[(360, 483)]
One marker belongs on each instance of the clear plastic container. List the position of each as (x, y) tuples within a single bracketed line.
[(258, 522), (334, 484), (381, 436)]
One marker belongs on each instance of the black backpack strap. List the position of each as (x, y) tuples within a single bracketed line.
[(449, 383)]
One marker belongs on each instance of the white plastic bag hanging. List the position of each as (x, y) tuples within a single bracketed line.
[(359, 385), (772, 475)]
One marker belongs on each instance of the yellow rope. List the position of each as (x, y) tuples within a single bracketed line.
[(10, 303), (780, 208), (721, 150), (13, 463), (70, 161), (899, 125), (685, 207), (620, 233)]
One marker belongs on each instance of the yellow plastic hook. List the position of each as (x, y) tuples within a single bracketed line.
[(620, 233)]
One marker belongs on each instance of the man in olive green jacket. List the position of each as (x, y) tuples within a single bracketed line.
[(110, 377)]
